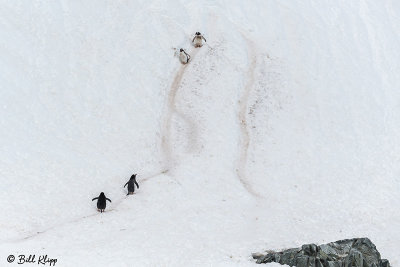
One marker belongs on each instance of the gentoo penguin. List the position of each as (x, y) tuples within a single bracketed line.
[(198, 40), (183, 56), (131, 184), (101, 202)]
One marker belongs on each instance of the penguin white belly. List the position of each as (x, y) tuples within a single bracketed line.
[(198, 42), (183, 58)]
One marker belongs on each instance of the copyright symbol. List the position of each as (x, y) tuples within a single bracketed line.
[(10, 258)]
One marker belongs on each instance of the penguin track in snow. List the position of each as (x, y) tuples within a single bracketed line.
[(113, 208), (172, 109), (243, 110)]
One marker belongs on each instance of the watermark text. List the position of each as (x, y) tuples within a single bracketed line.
[(26, 259)]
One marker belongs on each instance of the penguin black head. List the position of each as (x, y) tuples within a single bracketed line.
[(133, 176), (197, 33), (181, 50), (102, 194)]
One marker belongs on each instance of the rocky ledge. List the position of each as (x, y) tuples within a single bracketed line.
[(356, 252)]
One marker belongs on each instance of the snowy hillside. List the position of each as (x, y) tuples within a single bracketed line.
[(282, 130)]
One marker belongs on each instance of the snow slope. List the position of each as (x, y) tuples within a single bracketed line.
[(281, 130)]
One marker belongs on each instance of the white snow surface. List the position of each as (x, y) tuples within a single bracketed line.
[(282, 130)]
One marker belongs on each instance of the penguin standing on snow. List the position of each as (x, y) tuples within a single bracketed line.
[(183, 56), (131, 185), (198, 40), (101, 202)]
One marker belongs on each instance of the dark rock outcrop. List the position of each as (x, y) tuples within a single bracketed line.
[(357, 252)]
